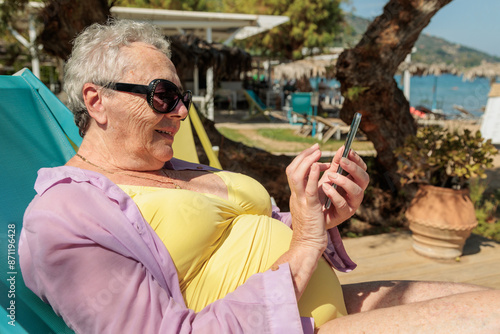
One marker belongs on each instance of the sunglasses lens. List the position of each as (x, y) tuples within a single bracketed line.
[(166, 96), (186, 99)]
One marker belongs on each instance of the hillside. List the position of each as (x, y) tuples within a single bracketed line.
[(430, 49)]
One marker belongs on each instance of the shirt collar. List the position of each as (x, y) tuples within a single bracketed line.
[(48, 177)]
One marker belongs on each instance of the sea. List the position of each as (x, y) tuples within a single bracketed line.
[(443, 93)]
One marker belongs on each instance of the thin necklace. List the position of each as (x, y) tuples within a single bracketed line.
[(131, 175)]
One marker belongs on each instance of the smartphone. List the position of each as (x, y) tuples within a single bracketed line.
[(353, 129)]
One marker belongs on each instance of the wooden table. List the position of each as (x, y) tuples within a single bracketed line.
[(390, 257)]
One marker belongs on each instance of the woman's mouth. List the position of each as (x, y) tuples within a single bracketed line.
[(166, 134)]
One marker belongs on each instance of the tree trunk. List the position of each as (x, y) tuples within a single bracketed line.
[(366, 74), (65, 19)]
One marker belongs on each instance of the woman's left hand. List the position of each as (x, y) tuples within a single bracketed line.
[(350, 189)]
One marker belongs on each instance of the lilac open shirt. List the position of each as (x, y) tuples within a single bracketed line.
[(86, 249)]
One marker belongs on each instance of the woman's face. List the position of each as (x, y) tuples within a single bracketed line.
[(141, 138)]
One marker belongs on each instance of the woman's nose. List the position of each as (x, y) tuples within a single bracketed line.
[(180, 111)]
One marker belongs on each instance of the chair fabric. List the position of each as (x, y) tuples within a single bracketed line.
[(195, 120), (300, 105), (184, 146), (35, 131), (257, 107)]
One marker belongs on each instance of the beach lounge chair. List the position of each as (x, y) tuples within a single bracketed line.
[(257, 107), (300, 107), (39, 131), (327, 128), (36, 132), (301, 112), (184, 146)]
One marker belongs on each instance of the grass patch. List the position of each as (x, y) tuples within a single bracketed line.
[(285, 135), (285, 140), (235, 135), (289, 135)]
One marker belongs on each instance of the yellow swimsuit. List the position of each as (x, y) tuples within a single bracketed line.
[(217, 244)]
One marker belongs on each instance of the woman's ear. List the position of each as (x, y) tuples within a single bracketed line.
[(93, 98)]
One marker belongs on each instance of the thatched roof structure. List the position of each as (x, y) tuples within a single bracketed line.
[(189, 50), (486, 70), (305, 68), (422, 69), (308, 68)]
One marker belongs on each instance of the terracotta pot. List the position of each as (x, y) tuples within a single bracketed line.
[(441, 220)]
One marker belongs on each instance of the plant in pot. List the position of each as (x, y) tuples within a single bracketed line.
[(441, 162)]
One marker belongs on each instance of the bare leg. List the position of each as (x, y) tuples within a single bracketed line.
[(366, 296), (469, 312)]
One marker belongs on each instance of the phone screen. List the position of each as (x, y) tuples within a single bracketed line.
[(353, 129)]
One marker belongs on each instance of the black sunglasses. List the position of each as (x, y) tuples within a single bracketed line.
[(162, 95)]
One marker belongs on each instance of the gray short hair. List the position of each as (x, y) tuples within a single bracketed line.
[(96, 58)]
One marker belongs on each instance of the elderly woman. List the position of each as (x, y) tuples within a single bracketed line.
[(127, 239)]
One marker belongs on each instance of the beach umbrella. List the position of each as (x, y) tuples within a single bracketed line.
[(486, 70), (305, 68)]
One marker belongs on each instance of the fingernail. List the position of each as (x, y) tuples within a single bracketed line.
[(346, 161), (325, 186), (333, 175)]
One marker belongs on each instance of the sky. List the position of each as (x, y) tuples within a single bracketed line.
[(472, 23)]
